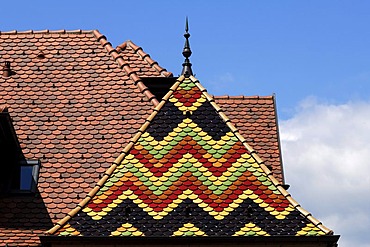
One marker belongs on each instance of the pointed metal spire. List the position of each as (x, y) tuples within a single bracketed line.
[(186, 66)]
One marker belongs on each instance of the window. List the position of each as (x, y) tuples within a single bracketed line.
[(29, 172)]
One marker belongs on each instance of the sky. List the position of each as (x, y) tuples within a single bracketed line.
[(313, 55)]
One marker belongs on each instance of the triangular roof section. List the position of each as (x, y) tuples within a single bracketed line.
[(188, 172)]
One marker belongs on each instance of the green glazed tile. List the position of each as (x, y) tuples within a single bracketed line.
[(144, 143), (217, 155), (257, 173), (188, 165), (196, 137), (228, 183), (223, 187), (179, 172), (113, 179), (157, 192), (183, 170), (267, 183), (153, 188), (163, 188), (212, 187), (192, 134), (129, 165), (148, 183), (193, 170), (108, 184), (173, 143), (167, 183), (272, 187), (133, 169), (218, 192), (138, 174), (202, 142), (222, 151), (237, 173), (158, 156), (189, 233), (251, 169), (207, 182), (233, 178), (207, 147), (177, 138), (197, 173)]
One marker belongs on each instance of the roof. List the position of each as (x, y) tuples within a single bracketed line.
[(75, 102), (188, 172), (256, 120), (141, 62)]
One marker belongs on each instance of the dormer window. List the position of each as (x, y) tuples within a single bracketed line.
[(28, 175)]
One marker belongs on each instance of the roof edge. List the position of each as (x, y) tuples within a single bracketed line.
[(61, 31), (145, 56), (241, 97), (125, 66), (260, 162), (330, 241), (278, 138), (3, 108)]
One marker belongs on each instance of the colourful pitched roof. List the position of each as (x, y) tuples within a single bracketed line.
[(188, 172)]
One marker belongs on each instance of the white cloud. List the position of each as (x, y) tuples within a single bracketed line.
[(326, 151)]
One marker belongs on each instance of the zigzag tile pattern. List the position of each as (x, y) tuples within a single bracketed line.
[(189, 175)]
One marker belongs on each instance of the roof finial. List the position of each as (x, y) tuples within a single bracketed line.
[(186, 70)]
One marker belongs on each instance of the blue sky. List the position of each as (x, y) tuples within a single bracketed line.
[(314, 55), (292, 48)]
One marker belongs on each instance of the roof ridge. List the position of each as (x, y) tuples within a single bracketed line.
[(145, 56), (63, 31), (241, 97), (125, 66)]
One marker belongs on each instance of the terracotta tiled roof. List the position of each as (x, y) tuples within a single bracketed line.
[(256, 119), (75, 105), (188, 172), (140, 61)]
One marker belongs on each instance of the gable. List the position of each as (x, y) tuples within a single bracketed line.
[(188, 172)]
